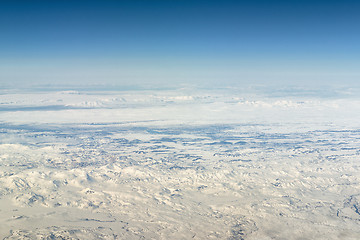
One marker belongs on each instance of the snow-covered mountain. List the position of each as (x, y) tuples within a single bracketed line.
[(179, 164)]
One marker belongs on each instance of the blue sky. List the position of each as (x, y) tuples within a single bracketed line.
[(179, 42)]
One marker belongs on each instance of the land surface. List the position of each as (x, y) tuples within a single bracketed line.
[(180, 164)]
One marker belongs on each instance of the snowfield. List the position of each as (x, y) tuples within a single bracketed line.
[(180, 164)]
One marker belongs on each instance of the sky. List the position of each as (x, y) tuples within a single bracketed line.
[(174, 42)]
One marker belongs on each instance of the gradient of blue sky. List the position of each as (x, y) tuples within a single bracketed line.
[(165, 41)]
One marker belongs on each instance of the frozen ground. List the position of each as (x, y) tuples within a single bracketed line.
[(180, 164)]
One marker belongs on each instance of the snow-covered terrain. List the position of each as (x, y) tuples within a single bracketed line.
[(180, 164)]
